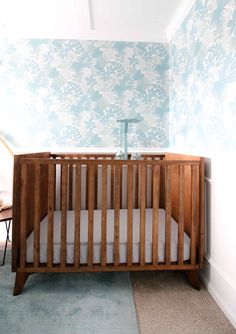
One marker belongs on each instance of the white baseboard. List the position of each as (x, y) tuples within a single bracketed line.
[(220, 288)]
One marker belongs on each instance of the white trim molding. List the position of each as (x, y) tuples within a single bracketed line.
[(180, 14), (100, 150)]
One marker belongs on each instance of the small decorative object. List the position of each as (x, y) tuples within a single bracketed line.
[(120, 155), (124, 133), (136, 156)]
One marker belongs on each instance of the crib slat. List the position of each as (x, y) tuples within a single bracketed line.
[(136, 173), (193, 213), (181, 215), (150, 169), (117, 215), (155, 202), (95, 186), (36, 214), (121, 181), (23, 216), (167, 214), (77, 216), (90, 213), (162, 186), (104, 216), (70, 187), (130, 215), (64, 187), (62, 157), (87, 186), (51, 181), (55, 187), (112, 186), (143, 190)]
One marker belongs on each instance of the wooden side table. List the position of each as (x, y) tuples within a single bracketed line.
[(6, 216)]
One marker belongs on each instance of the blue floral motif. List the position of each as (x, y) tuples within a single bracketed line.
[(201, 9), (231, 24), (219, 12), (203, 78), (69, 93), (215, 56)]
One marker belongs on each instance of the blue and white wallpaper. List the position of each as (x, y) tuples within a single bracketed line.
[(69, 93), (203, 78)]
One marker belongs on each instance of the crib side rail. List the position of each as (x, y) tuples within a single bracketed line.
[(111, 173)]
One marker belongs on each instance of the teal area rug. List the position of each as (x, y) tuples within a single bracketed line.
[(77, 303)]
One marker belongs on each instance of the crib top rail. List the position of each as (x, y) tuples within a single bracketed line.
[(92, 156), (69, 161)]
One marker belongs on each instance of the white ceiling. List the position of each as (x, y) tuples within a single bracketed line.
[(127, 20)]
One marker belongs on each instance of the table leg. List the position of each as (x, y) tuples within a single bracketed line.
[(8, 228), (8, 225)]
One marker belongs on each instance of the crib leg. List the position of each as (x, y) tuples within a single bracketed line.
[(193, 277), (20, 280)]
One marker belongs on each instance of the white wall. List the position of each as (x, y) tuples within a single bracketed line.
[(203, 118), (6, 174), (87, 19), (219, 274)]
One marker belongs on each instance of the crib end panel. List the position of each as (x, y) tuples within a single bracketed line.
[(16, 213), (24, 202), (201, 212)]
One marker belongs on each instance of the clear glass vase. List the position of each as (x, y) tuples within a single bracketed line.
[(129, 129)]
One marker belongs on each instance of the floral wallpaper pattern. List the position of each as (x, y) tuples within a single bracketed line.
[(69, 93), (203, 78)]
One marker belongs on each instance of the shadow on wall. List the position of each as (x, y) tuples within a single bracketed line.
[(208, 217)]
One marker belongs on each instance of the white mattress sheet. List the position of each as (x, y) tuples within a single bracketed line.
[(110, 237)]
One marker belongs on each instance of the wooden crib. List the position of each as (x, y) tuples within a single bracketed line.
[(92, 213)]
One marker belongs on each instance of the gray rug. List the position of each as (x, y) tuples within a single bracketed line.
[(68, 304)]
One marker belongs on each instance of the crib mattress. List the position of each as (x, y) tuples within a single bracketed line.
[(110, 237)]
